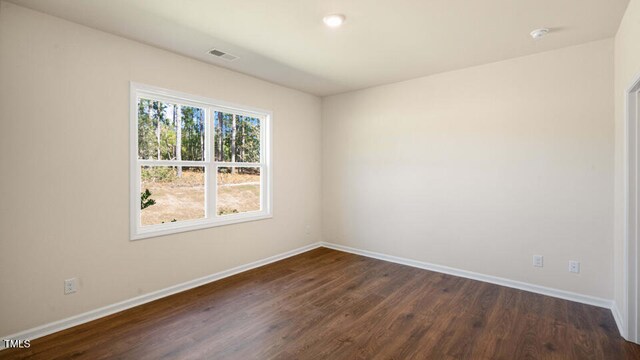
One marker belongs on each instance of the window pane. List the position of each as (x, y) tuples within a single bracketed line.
[(163, 128), (238, 190), (237, 138), (174, 194), (192, 120)]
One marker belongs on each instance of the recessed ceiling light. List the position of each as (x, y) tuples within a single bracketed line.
[(538, 33), (334, 20)]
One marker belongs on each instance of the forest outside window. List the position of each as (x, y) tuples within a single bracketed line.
[(196, 162)]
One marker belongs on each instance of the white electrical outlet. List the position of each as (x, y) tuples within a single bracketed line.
[(70, 286), (574, 266), (538, 260)]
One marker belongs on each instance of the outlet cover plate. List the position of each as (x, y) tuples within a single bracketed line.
[(70, 286), (538, 260), (574, 267)]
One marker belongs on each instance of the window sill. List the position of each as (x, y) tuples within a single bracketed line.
[(191, 225)]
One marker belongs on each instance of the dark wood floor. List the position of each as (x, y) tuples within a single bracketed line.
[(326, 304)]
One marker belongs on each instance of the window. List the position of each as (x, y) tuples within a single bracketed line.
[(196, 162)]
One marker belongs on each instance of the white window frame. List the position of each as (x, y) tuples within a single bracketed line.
[(212, 219)]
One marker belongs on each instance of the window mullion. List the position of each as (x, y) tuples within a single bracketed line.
[(210, 191)]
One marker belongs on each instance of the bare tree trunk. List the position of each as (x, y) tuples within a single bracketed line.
[(201, 128), (242, 142), (177, 121), (157, 128), (149, 108), (158, 143), (219, 154), (233, 141)]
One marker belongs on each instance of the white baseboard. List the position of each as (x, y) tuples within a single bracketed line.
[(63, 324), (617, 316), (566, 295)]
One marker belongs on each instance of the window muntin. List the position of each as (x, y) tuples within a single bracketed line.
[(204, 162)]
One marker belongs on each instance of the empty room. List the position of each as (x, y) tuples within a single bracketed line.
[(319, 179)]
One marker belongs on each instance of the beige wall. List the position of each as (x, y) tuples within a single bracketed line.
[(481, 168), (627, 68), (64, 153)]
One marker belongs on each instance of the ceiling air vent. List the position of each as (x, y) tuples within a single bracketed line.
[(222, 55)]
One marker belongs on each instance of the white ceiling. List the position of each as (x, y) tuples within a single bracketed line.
[(285, 41)]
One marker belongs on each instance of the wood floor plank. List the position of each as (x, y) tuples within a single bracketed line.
[(326, 304)]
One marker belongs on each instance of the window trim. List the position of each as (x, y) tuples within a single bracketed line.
[(136, 230)]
